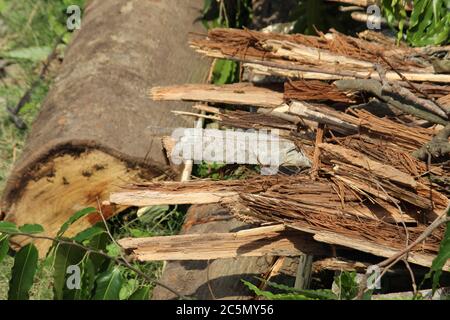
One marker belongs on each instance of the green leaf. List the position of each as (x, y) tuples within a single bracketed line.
[(77, 216), (113, 250), (149, 214), (441, 259), (33, 53), (272, 296), (128, 288), (8, 227), (141, 294), (224, 72), (88, 234), (23, 271), (419, 8), (347, 284), (31, 228), (99, 243), (65, 256), (138, 233), (87, 282), (4, 248), (108, 285), (313, 294)]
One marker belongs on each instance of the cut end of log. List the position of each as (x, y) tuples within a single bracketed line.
[(64, 184)]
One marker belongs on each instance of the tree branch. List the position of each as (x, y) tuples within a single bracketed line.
[(437, 147), (375, 87)]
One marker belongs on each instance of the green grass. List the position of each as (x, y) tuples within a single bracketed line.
[(25, 24)]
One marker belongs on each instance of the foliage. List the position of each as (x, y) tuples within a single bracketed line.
[(103, 274), (441, 259), (226, 14), (311, 16), (346, 283), (429, 21), (29, 30), (323, 294)]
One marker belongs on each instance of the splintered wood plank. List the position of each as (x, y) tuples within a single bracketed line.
[(374, 167), (264, 241), (144, 198), (241, 94)]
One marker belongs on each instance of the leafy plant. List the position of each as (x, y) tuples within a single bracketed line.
[(104, 273), (310, 16), (226, 14), (441, 259), (428, 23), (346, 283)]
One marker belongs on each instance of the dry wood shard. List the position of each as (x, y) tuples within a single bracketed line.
[(241, 94), (264, 241)]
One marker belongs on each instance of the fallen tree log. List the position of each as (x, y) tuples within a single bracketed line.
[(97, 129)]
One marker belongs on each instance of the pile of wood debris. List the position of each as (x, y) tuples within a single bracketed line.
[(370, 121)]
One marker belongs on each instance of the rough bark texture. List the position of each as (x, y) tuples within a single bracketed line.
[(99, 101)]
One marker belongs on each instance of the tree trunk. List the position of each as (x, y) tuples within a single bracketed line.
[(98, 129)]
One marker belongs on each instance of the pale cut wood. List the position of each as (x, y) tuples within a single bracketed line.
[(339, 265), (221, 278), (297, 52), (374, 167), (336, 75), (241, 94), (264, 241), (145, 198), (83, 180)]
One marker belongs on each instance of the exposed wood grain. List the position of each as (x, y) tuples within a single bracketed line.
[(144, 198), (264, 241), (241, 94)]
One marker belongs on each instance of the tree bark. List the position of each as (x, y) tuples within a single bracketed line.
[(97, 129)]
